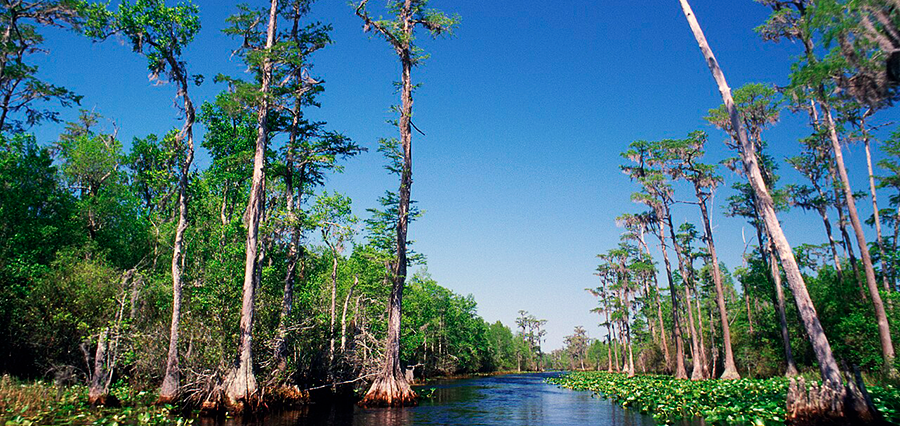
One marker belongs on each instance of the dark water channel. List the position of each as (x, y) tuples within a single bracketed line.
[(514, 399)]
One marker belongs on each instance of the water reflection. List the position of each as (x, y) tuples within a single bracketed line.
[(517, 399)]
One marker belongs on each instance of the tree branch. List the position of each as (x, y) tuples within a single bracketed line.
[(369, 23)]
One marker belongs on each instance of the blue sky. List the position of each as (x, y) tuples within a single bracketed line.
[(525, 110)]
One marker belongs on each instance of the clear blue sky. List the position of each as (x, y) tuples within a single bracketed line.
[(525, 110)]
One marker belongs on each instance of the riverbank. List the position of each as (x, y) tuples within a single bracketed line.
[(43, 403), (754, 401)]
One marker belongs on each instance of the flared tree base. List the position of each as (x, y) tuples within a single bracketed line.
[(815, 404), (168, 392), (166, 399), (389, 392), (730, 374), (239, 390)]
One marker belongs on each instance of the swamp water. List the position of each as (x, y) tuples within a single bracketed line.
[(513, 399)]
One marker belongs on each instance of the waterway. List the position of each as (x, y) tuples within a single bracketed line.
[(513, 399)]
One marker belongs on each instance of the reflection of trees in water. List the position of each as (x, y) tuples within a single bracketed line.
[(502, 400)]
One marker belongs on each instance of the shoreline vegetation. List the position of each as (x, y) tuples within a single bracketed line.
[(742, 401), (25, 403)]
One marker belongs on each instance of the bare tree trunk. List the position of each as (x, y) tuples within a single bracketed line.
[(831, 376), (884, 331), (99, 389), (626, 329), (240, 382), (703, 356), (295, 255), (749, 316), (696, 357), (790, 365), (630, 351), (294, 249), (845, 236), (659, 315), (344, 314), (823, 212), (391, 387), (609, 354), (168, 392), (714, 353), (616, 349), (696, 350), (834, 253), (730, 372), (876, 213), (332, 310), (680, 372)]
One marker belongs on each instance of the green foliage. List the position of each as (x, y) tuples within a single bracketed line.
[(744, 401), (41, 403), (668, 400), (24, 95), (399, 31), (160, 32), (443, 331)]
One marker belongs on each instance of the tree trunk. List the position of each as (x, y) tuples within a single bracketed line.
[(831, 376), (884, 331), (98, 393), (240, 382), (834, 254), (168, 392), (703, 355), (334, 266), (390, 387), (294, 249), (696, 358), (630, 352), (680, 372), (616, 350), (659, 315), (344, 314), (876, 214), (845, 236), (627, 327), (714, 353), (790, 365), (608, 348), (730, 372), (767, 253), (814, 115), (749, 316)]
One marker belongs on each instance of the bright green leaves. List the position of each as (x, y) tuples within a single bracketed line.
[(158, 31), (759, 106), (667, 399), (161, 32), (89, 159), (154, 164), (400, 31), (754, 401), (288, 58), (333, 216)]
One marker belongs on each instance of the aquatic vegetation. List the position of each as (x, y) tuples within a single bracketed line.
[(44, 403), (754, 401)]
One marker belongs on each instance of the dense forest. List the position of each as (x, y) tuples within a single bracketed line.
[(136, 267)]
